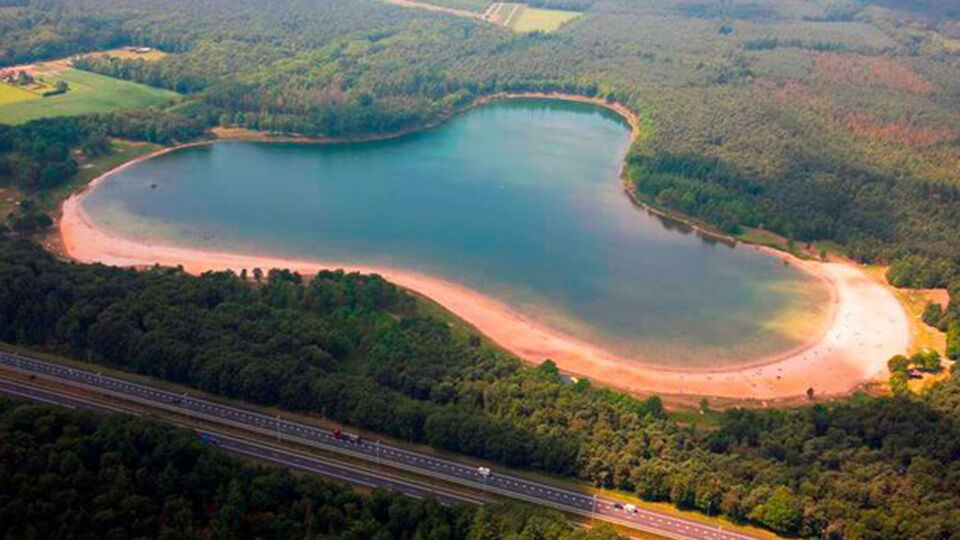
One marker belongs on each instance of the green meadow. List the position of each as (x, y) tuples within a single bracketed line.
[(12, 94), (89, 93), (540, 20)]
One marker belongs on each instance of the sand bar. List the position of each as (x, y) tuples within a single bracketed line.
[(868, 323)]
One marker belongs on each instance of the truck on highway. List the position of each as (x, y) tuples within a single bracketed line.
[(629, 508), (349, 437), (484, 471)]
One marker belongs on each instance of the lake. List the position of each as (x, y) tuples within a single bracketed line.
[(519, 200)]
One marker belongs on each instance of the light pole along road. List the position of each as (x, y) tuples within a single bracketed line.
[(567, 500)]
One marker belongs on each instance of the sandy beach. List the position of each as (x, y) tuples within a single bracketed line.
[(868, 324)]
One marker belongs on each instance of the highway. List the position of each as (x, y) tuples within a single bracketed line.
[(259, 451), (567, 500)]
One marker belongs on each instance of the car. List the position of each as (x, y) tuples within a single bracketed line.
[(618, 506)]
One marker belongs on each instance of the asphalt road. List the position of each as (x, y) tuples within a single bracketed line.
[(424, 464), (258, 451)]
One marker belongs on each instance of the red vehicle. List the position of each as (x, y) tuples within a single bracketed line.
[(349, 437)]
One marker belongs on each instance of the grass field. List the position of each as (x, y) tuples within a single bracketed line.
[(522, 18), (540, 20), (504, 13), (12, 94), (89, 93)]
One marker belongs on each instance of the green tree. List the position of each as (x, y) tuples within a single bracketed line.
[(781, 512), (898, 363), (953, 340), (898, 383), (926, 360), (932, 314)]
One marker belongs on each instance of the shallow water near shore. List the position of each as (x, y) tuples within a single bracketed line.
[(519, 201)]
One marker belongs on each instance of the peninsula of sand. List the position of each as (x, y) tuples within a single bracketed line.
[(867, 325)]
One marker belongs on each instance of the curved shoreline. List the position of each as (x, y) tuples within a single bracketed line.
[(243, 134), (834, 362)]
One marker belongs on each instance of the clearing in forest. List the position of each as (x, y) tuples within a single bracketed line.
[(88, 93), (517, 17), (541, 20), (522, 18)]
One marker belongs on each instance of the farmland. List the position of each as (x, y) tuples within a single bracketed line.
[(89, 93), (522, 18), (541, 20), (12, 94)]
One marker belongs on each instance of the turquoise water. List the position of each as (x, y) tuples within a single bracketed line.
[(520, 201)]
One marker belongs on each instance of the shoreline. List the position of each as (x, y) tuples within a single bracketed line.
[(836, 361), (249, 135), (840, 361), (704, 231)]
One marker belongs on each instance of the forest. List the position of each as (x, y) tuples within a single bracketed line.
[(359, 350), (70, 474)]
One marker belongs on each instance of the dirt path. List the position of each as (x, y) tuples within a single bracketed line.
[(440, 9)]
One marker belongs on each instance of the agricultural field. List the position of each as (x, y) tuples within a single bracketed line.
[(12, 94), (522, 18), (541, 20), (88, 93), (502, 12)]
